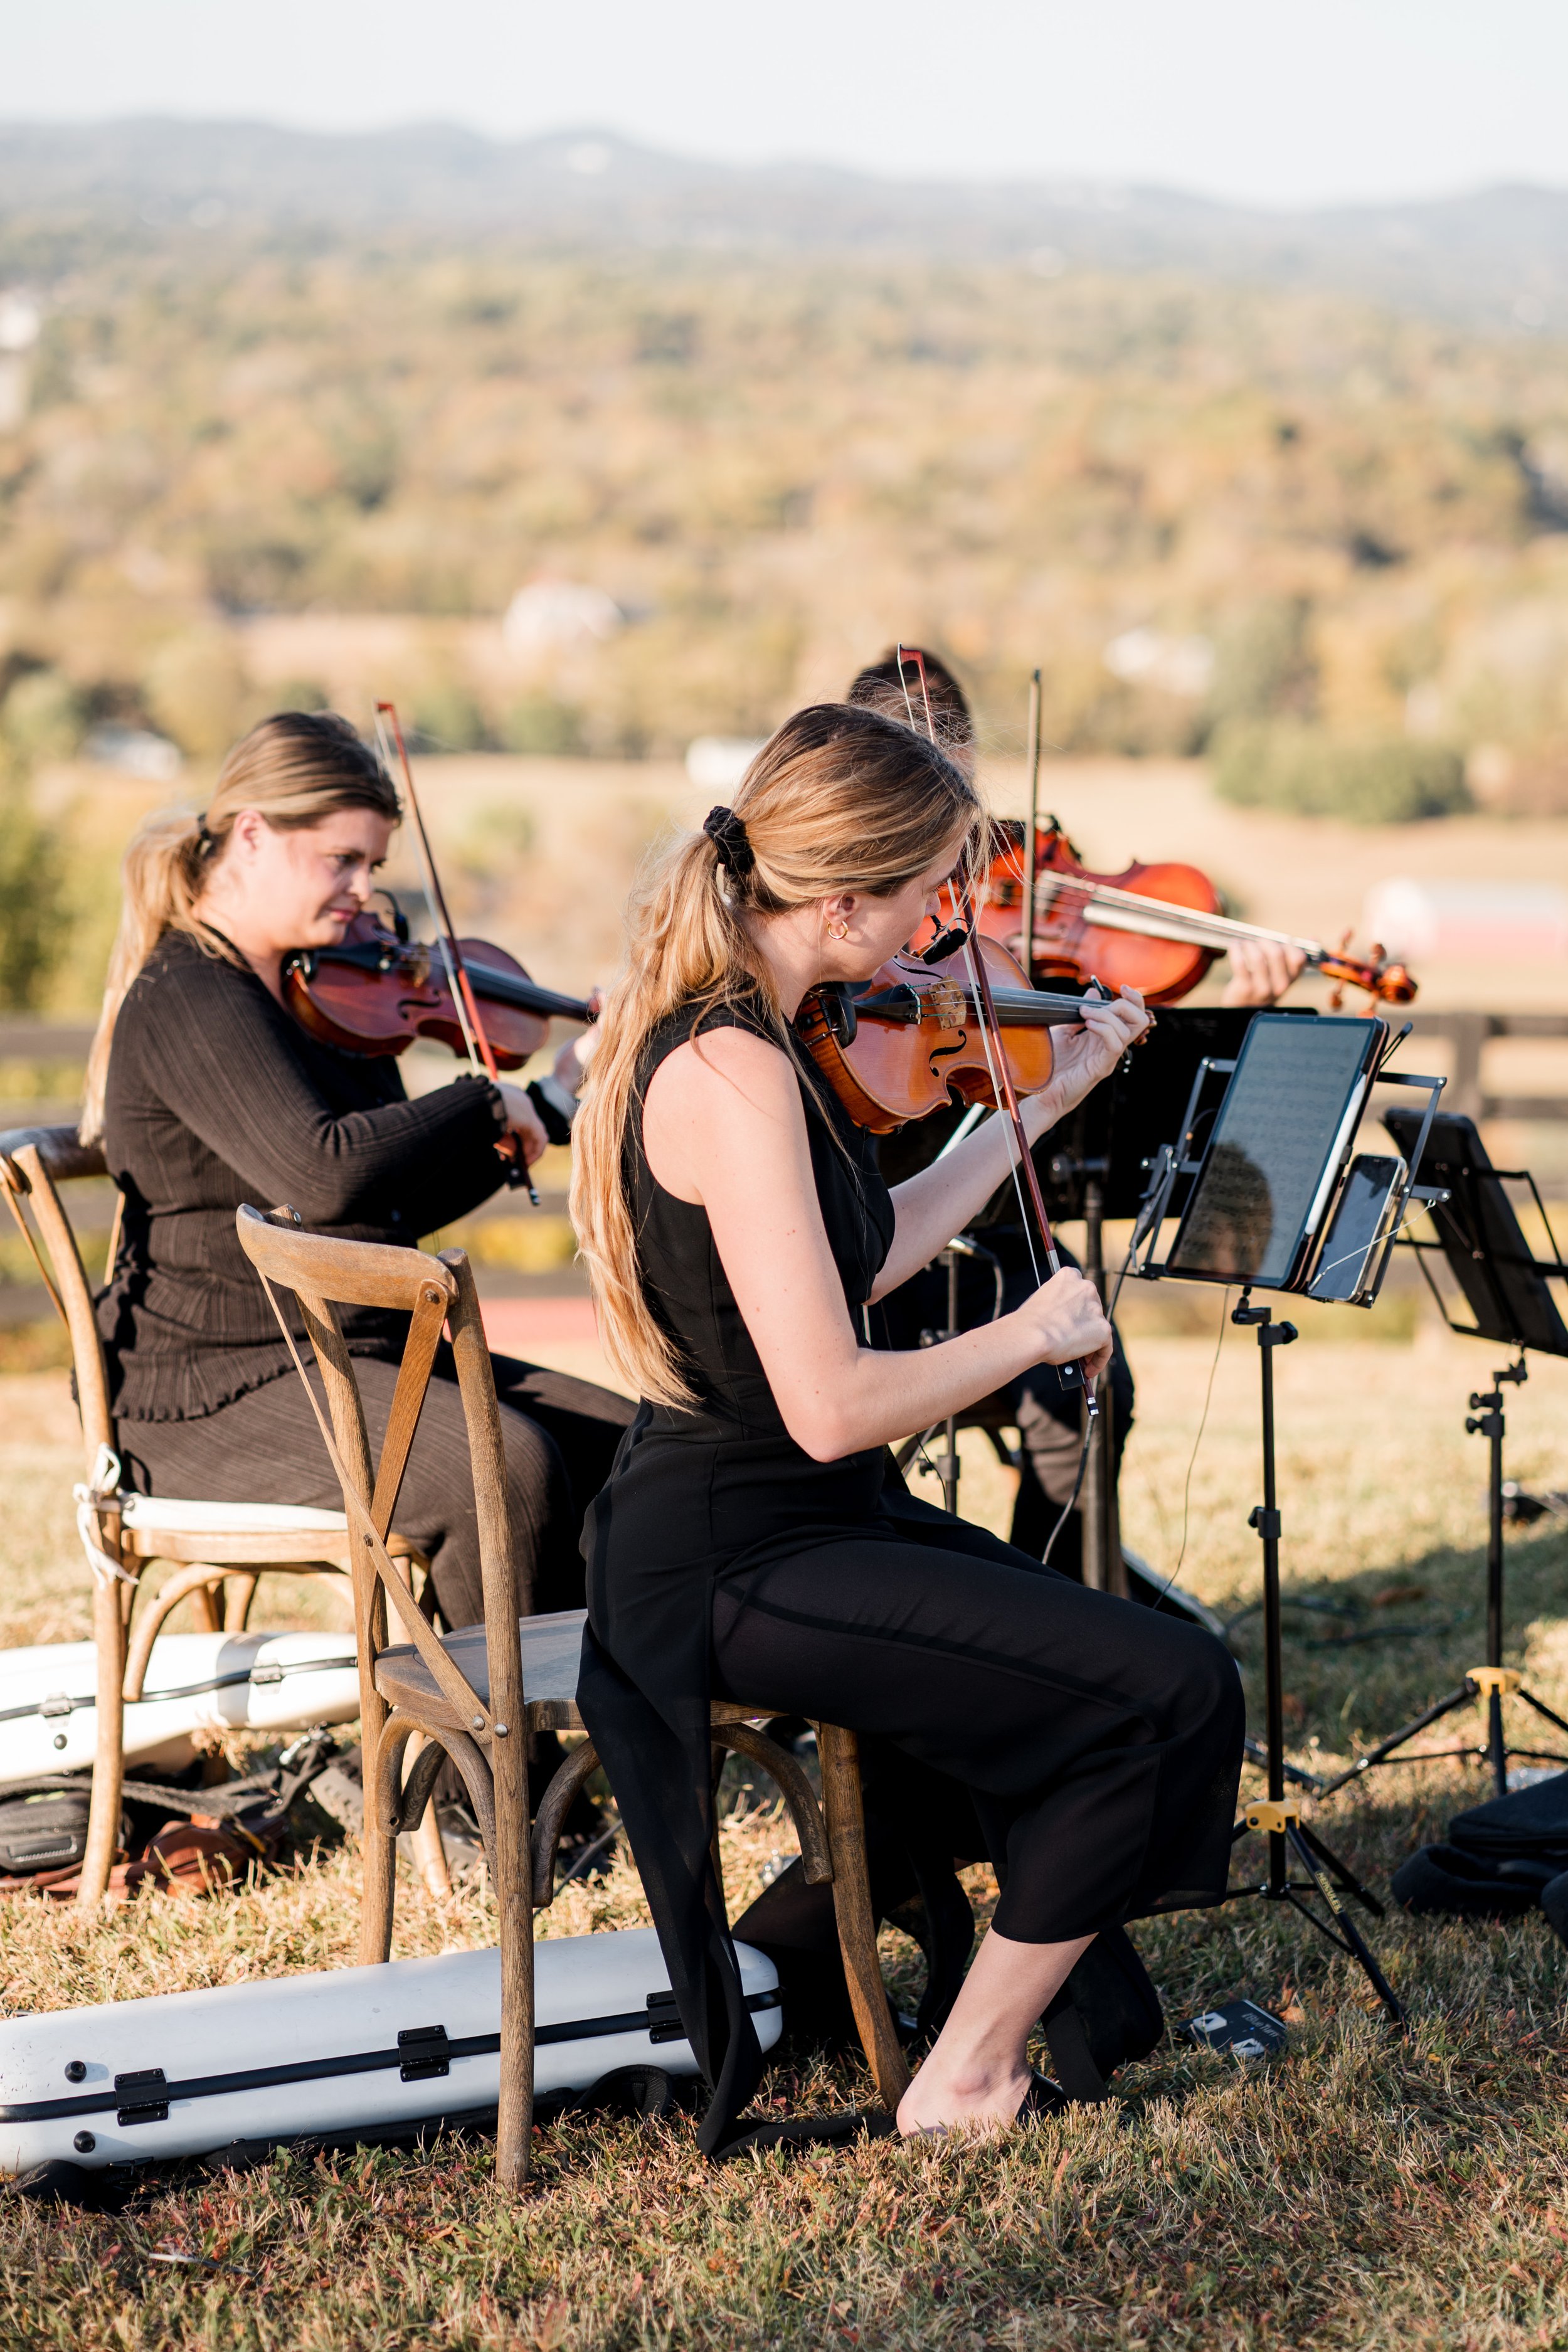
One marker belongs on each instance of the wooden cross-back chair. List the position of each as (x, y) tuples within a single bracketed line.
[(216, 1552), (476, 1694)]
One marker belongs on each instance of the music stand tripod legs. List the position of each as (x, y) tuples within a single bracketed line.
[(1494, 1682), (1291, 1842)]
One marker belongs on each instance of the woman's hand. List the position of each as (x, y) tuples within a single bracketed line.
[(1068, 1322), (1260, 971), (523, 1119), (1083, 1056), (570, 1066)]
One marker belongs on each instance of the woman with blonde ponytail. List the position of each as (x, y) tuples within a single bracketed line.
[(206, 1092), (747, 1545)]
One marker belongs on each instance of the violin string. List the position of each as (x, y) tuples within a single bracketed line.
[(1015, 1168)]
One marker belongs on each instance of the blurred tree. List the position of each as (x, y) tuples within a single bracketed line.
[(33, 912), (295, 694), (540, 724), (43, 717), (1264, 666), (447, 715), (1289, 766), (196, 692)]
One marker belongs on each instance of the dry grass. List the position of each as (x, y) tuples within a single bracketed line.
[(1367, 2192)]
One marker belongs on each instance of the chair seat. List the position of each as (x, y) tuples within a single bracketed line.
[(243, 1535), (169, 1512), (551, 1648), (552, 1652)]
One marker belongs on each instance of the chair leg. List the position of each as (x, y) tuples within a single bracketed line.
[(238, 1593), (839, 1755), (379, 1848), (428, 1851), (109, 1761), (194, 1578), (207, 1600), (513, 1885)]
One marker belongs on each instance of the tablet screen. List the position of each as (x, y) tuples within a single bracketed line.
[(1286, 1121)]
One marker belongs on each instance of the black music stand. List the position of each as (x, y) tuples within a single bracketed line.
[(1497, 1274), (1269, 1197), (1098, 1170)]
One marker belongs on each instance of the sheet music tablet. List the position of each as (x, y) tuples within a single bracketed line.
[(1287, 1120)]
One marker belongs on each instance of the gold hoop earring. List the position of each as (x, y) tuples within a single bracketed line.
[(839, 931)]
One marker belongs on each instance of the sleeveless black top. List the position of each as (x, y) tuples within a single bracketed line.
[(698, 1494)]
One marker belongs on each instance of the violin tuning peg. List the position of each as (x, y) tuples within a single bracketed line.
[(1337, 997), (1345, 942), (1379, 953)]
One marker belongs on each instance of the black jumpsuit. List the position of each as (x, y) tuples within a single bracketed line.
[(1102, 1744)]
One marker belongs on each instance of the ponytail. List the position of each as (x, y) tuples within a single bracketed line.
[(295, 769), (839, 799)]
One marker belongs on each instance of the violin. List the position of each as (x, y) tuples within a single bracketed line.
[(1156, 928), (915, 1035), (376, 991)]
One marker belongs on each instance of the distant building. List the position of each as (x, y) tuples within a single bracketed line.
[(1502, 922), (1179, 665), (551, 616), (135, 751)]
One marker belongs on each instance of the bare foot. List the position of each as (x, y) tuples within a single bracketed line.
[(934, 2103)]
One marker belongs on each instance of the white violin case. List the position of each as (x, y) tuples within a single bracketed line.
[(335, 2051), (195, 1682)]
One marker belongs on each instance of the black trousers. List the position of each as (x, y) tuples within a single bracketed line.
[(560, 1436), (1100, 1742)]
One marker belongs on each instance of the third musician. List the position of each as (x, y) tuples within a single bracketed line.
[(1046, 1415)]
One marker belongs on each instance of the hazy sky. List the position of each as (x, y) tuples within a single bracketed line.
[(1241, 98)]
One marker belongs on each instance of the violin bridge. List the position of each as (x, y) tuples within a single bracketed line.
[(946, 1001)]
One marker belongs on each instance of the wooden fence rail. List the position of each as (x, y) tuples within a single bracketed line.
[(1468, 1035)]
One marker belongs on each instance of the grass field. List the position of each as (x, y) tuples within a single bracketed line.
[(1366, 2192)]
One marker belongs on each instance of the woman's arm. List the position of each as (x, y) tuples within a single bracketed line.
[(222, 1057), (939, 1203), (723, 1127)]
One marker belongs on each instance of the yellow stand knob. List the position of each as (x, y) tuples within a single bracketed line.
[(1273, 1816)]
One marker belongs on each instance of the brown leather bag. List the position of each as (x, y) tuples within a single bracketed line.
[(199, 1856)]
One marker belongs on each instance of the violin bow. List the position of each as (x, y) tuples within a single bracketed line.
[(1027, 876), (482, 1059), (1072, 1375)]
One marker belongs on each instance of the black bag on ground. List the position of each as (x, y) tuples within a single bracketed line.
[(1445, 1880), (44, 1830), (1526, 1825), (1555, 1902), (1497, 1860)]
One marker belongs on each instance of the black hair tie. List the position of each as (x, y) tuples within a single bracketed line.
[(727, 832)]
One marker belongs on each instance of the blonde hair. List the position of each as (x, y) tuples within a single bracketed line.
[(839, 799), (295, 767)]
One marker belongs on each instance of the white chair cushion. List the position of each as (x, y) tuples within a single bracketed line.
[(162, 1514)]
